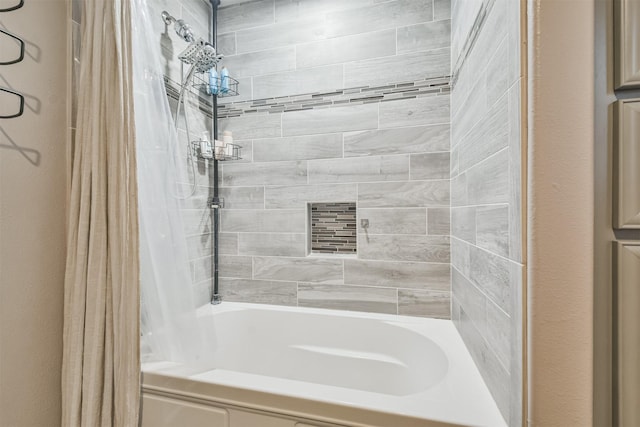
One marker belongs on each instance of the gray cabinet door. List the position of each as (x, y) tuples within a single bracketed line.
[(626, 164), (627, 43), (627, 300)]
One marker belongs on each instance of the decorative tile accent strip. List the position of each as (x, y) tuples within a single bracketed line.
[(333, 228), (351, 96), (481, 17)]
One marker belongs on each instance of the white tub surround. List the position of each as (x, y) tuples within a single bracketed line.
[(341, 368)]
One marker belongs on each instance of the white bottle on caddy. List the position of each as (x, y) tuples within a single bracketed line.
[(206, 151), (227, 141)]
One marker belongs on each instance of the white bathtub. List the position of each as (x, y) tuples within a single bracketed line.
[(320, 367)]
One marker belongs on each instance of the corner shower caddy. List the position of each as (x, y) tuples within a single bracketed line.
[(203, 56), (201, 82)]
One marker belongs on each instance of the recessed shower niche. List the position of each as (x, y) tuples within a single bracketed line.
[(332, 228)]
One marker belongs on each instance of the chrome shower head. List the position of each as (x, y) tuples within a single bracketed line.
[(201, 55)]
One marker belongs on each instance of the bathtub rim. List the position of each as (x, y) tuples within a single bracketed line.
[(169, 382), (275, 405)]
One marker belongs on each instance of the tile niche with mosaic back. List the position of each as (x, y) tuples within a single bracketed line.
[(340, 102)]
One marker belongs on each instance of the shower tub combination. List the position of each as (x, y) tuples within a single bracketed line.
[(292, 367)]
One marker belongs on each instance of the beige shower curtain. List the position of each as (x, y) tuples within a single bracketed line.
[(101, 361)]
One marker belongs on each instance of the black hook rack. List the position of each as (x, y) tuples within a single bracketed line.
[(22, 47), (14, 61), (9, 9), (20, 109)]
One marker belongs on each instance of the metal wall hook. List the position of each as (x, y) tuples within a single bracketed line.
[(9, 9), (21, 108), (22, 48)]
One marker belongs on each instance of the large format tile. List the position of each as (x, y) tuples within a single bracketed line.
[(281, 34), (394, 221), (262, 62), (418, 139), (292, 10), (498, 333), (226, 44), (415, 112), (258, 291), (470, 298), (324, 146), (391, 14), (493, 372), (288, 197), (415, 275), (272, 244), (424, 36), (345, 49), (414, 302), (404, 194), (489, 136), (492, 228), (441, 9), (359, 169), (497, 78), (469, 102), (460, 257), (404, 248), (329, 271), (328, 120), (235, 266), (242, 197), (263, 221), (275, 173), (430, 166), (492, 275), (250, 126), (439, 221), (488, 182), (492, 34), (459, 193), (463, 13), (228, 243), (516, 345), (354, 298), (515, 176), (245, 15), (408, 67), (298, 82), (463, 223)]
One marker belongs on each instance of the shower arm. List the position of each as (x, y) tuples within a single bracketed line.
[(182, 29)]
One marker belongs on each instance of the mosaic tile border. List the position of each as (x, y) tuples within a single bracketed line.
[(341, 97), (478, 23), (350, 96)]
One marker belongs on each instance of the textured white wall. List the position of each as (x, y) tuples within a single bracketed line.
[(32, 218), (561, 126)]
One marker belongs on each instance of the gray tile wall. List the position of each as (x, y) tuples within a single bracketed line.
[(486, 240), (279, 47), (344, 102)]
